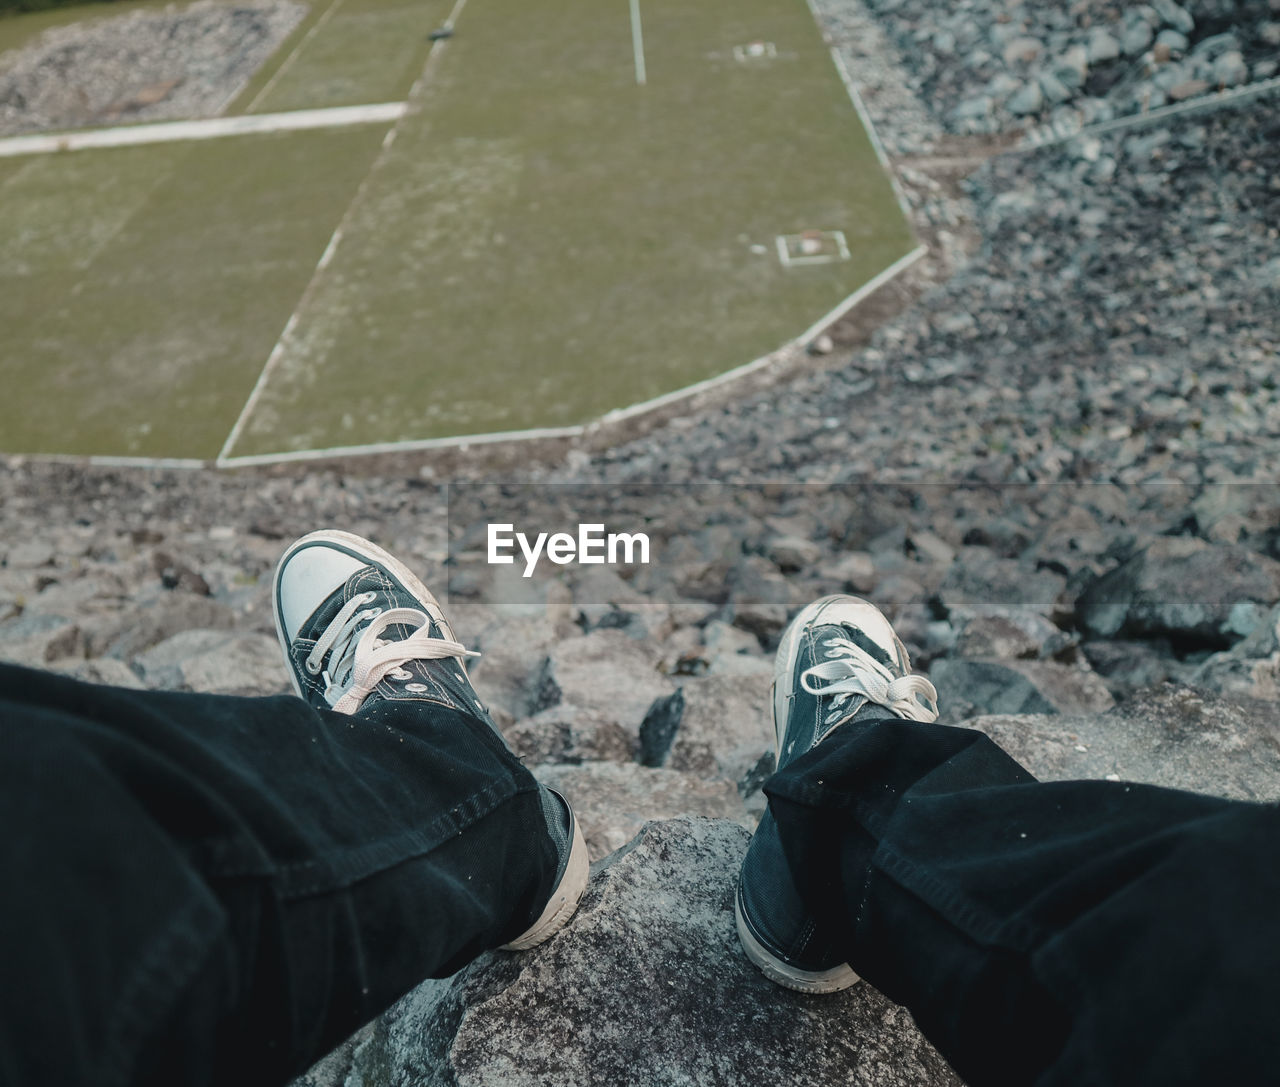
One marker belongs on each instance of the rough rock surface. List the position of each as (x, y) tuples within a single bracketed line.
[(655, 930), (613, 801), (141, 66)]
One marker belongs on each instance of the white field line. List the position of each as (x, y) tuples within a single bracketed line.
[(637, 42), (465, 440), (145, 462), (288, 61), (402, 447), (334, 240), (96, 461), (209, 129), (1044, 137)]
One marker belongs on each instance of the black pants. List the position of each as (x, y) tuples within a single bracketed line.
[(1083, 932), (201, 889), (208, 889)]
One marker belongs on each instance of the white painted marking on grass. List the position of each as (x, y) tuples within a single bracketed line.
[(744, 54), (209, 129), (787, 242), (637, 41), (334, 240), (288, 61), (145, 462), (403, 447)]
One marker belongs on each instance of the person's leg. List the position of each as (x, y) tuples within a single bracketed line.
[(205, 889), (1077, 932)]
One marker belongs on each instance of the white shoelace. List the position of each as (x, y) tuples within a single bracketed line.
[(851, 673), (360, 659)]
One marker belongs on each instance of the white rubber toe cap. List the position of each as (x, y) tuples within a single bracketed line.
[(308, 577)]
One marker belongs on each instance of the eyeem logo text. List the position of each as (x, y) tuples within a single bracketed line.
[(590, 545)]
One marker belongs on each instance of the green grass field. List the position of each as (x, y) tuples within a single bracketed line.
[(544, 240)]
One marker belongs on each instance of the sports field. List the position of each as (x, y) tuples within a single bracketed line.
[(580, 209)]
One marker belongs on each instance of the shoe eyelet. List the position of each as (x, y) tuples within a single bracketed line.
[(417, 688), (312, 669)]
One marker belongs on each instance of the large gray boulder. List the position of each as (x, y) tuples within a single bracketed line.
[(216, 662), (969, 687), (1250, 668), (1172, 736), (1182, 587), (647, 985)]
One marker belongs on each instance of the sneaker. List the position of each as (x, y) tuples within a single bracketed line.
[(839, 660), (356, 628)]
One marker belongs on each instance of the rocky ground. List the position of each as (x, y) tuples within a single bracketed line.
[(991, 65), (1053, 468), (144, 66)]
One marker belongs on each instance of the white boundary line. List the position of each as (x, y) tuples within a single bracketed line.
[(327, 255), (288, 61), (1042, 137), (144, 462), (637, 42), (402, 447), (616, 416), (208, 129)]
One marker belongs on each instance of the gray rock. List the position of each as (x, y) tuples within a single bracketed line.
[(1173, 40), (721, 637), (981, 583), (29, 555), (855, 571), (1102, 46), (124, 634), (719, 727), (215, 662), (1022, 50), (647, 985), (929, 547), (513, 659), (33, 639), (975, 108), (1029, 99), (604, 675), (1250, 668), (970, 687), (1138, 34), (1012, 634), (792, 553), (1172, 736), (1180, 586), (1174, 15), (613, 801), (1230, 70), (1055, 90), (109, 672), (1130, 666)]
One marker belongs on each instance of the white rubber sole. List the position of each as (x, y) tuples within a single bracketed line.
[(834, 980), (376, 557), (564, 901)]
